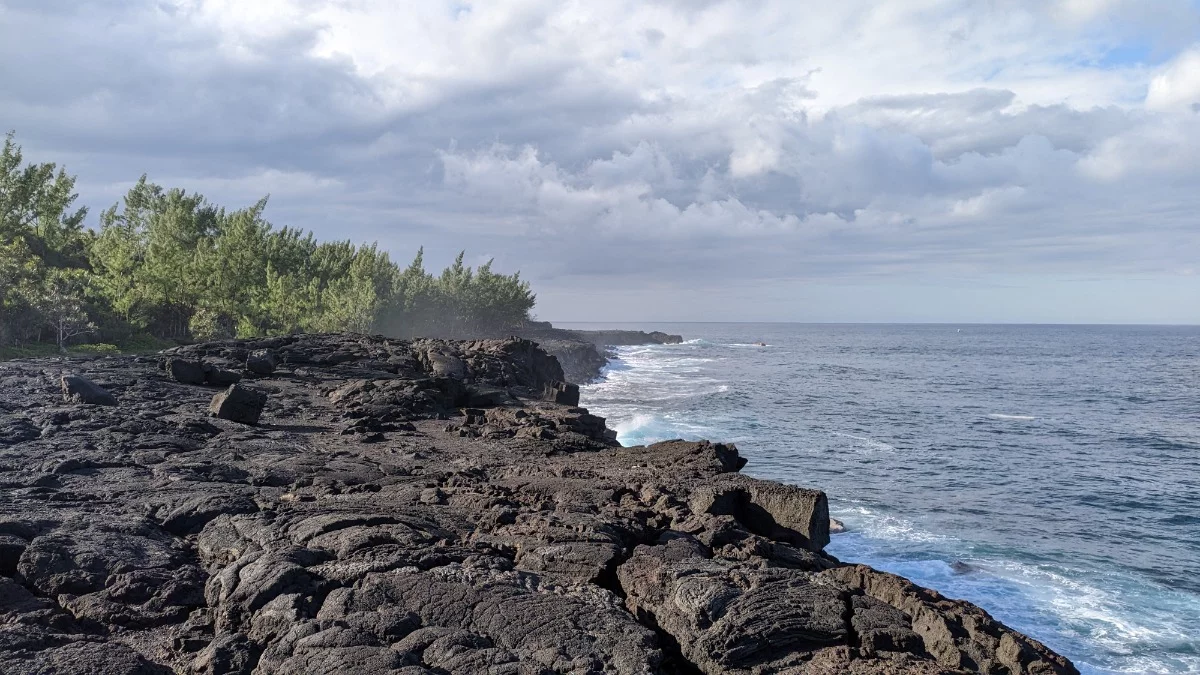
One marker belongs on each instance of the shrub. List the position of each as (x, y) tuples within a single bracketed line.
[(96, 348)]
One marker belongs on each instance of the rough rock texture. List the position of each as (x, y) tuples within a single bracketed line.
[(562, 392), (262, 362), (419, 507), (238, 404), (581, 360), (78, 389), (196, 371)]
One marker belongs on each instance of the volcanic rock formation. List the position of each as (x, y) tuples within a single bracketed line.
[(417, 507), (583, 353)]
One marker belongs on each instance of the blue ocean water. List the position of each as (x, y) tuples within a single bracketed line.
[(1060, 463)]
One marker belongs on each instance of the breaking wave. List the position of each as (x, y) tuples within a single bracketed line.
[(895, 424)]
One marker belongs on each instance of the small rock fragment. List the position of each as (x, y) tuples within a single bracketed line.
[(77, 389), (238, 404)]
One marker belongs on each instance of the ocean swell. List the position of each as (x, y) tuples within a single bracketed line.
[(985, 483)]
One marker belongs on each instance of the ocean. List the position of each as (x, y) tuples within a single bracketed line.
[(1060, 465)]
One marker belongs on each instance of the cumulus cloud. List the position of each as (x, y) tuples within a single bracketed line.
[(652, 145), (1177, 85)]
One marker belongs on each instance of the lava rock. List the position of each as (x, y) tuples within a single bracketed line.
[(262, 362), (184, 371), (78, 389), (486, 397), (238, 404), (562, 393), (193, 371), (401, 515), (220, 377)]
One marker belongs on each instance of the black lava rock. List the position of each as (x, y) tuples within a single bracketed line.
[(77, 389), (238, 404)]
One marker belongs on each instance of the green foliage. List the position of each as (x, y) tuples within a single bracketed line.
[(96, 348), (170, 265), (143, 343), (32, 350), (43, 252), (60, 305)]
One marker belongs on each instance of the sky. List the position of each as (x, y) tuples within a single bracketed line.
[(665, 160)]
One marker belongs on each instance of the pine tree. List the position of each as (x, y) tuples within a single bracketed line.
[(171, 264)]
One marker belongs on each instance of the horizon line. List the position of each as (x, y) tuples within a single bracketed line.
[(893, 323)]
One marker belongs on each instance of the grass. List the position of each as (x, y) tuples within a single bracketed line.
[(138, 344), (30, 351), (144, 344)]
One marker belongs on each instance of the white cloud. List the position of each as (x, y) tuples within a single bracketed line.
[(1085, 10), (1177, 85), (731, 139)]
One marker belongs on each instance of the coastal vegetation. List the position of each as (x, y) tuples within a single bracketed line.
[(167, 265)]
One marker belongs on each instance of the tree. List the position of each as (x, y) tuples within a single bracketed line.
[(150, 256), (41, 239), (35, 203), (170, 263), (61, 306), (19, 272)]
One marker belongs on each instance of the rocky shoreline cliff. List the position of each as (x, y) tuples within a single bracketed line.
[(583, 353), (352, 504)]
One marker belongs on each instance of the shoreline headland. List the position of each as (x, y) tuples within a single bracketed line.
[(423, 506), (584, 353)]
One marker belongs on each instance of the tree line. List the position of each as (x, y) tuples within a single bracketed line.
[(170, 264)]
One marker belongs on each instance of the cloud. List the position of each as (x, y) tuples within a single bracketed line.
[(662, 145), (1178, 85)]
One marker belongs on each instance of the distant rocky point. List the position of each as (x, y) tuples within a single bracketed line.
[(583, 353), (357, 505)]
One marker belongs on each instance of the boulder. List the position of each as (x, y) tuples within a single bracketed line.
[(191, 371), (185, 371), (446, 365), (238, 404), (78, 389), (262, 362), (775, 510), (563, 393), (219, 377)]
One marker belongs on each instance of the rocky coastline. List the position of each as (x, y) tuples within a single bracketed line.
[(353, 504), (583, 353)]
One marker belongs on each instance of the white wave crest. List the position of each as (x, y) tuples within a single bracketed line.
[(866, 442), (1073, 609)]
